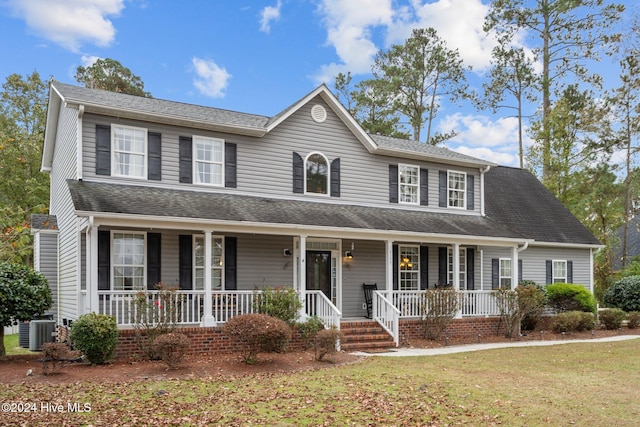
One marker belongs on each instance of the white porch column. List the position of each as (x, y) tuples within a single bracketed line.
[(92, 267), (514, 267), (302, 276), (456, 267), (389, 268), (207, 318)]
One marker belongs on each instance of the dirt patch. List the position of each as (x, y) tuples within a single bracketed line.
[(15, 369)]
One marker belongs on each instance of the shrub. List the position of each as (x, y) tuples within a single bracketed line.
[(439, 308), (170, 348), (624, 294), (510, 314), (53, 354), (573, 321), (155, 314), (258, 333), (282, 303), (326, 342), (611, 318), (569, 297), (96, 336), (633, 319), (309, 328), (531, 299)]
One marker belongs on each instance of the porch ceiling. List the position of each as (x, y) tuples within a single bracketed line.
[(106, 198)]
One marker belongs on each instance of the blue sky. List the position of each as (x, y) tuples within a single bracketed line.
[(255, 56)]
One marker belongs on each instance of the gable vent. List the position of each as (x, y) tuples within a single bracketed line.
[(318, 113)]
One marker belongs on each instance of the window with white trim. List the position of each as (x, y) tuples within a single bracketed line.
[(208, 160), (128, 261), (457, 182), (129, 151), (559, 271), (409, 270), (409, 181), (217, 262), (316, 169), (463, 267), (505, 273)]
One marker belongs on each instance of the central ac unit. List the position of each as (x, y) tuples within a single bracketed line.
[(40, 332)]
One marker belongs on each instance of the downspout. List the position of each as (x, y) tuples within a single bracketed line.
[(482, 172), (79, 143)]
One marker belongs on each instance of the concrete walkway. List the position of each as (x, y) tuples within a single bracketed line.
[(403, 352)]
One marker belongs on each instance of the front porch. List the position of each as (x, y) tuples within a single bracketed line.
[(191, 308)]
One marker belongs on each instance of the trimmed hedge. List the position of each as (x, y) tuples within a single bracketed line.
[(258, 333), (96, 336), (611, 318), (569, 297), (624, 294), (573, 321)]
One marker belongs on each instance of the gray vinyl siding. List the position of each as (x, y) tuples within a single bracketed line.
[(46, 262), (534, 263), (366, 266), (65, 167), (264, 165)]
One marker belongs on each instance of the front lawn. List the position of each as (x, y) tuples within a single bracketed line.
[(593, 384), (11, 345)]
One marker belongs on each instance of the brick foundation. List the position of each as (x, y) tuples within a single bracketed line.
[(465, 327)]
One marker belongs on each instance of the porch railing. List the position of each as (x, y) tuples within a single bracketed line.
[(472, 303), (319, 305), (189, 305), (387, 315)]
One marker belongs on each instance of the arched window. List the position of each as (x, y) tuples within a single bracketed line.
[(317, 174)]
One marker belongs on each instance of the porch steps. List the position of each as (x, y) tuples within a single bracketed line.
[(364, 335)]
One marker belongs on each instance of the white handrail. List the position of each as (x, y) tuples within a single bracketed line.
[(317, 304), (387, 315)]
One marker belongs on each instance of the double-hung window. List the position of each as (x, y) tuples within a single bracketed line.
[(409, 268), (505, 273), (463, 266), (409, 181), (559, 271), (217, 261), (129, 149), (208, 160), (128, 261), (456, 189)]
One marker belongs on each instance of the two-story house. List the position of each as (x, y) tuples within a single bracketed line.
[(222, 204)]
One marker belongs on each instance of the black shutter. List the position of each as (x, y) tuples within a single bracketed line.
[(519, 270), (443, 269), (395, 261), (393, 183), (185, 159), (549, 276), (103, 150), (424, 267), (104, 260), (495, 273), (470, 192), (154, 241), (230, 165), (569, 271), (470, 269), (442, 189), (424, 187), (185, 260), (298, 173), (230, 263), (154, 142), (335, 178)]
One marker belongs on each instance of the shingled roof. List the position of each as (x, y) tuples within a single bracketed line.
[(515, 198), (92, 197)]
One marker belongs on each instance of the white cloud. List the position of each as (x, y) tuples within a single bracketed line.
[(486, 138), (70, 23), (88, 61), (349, 25), (269, 14), (211, 80)]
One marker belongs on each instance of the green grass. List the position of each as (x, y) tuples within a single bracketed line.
[(584, 384), (11, 345)]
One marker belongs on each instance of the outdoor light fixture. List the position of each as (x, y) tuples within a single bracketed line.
[(286, 252), (348, 254)]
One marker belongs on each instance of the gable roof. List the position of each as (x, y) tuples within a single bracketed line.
[(216, 119), (117, 200), (515, 198)]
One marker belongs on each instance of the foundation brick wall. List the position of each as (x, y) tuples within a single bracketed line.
[(465, 327)]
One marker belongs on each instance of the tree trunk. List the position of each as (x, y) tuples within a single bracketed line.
[(546, 96)]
